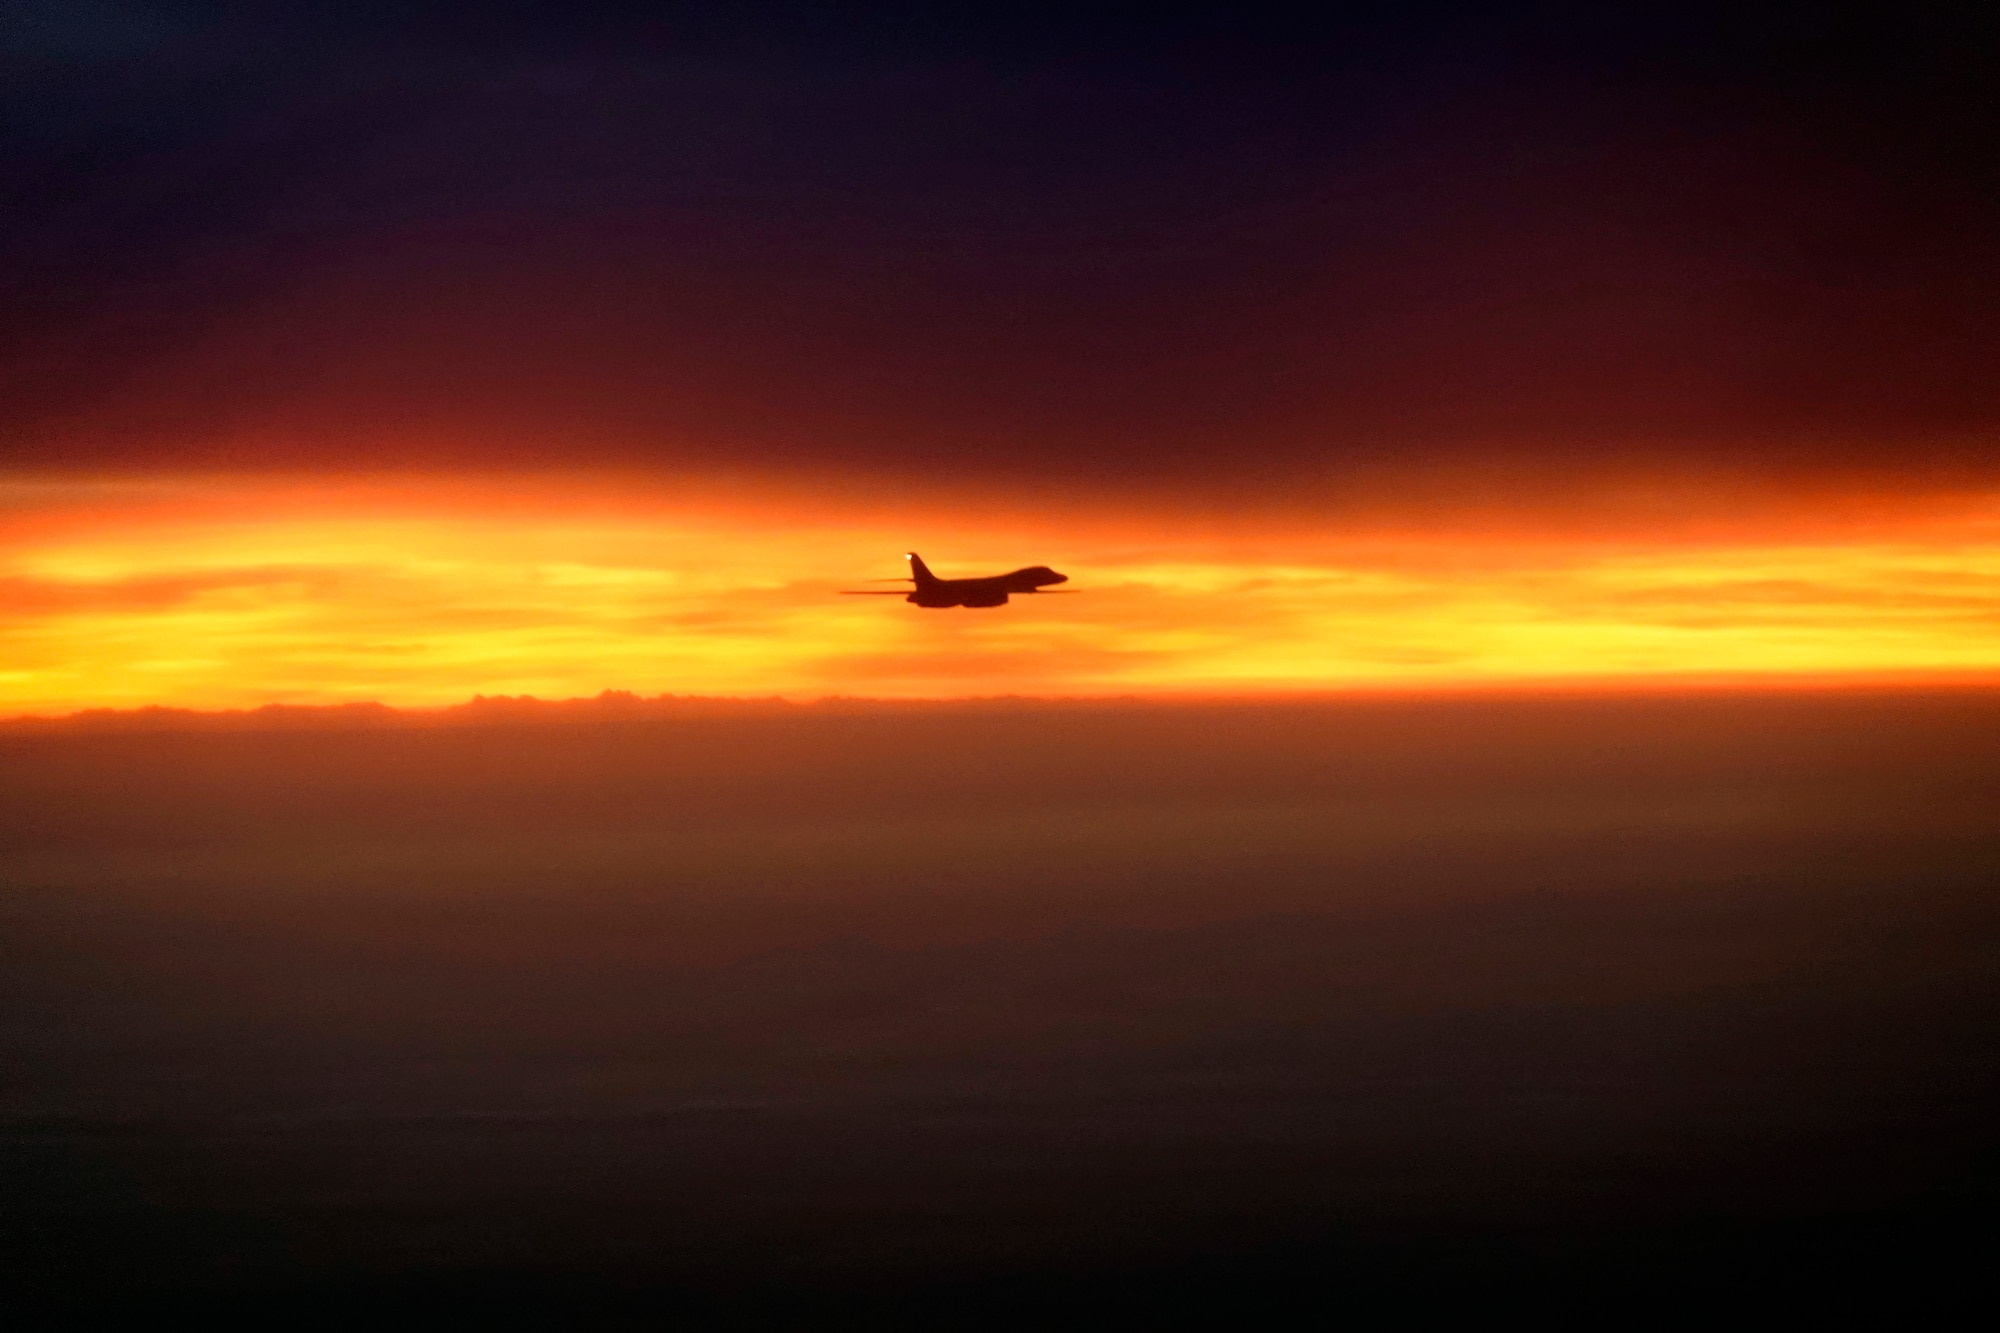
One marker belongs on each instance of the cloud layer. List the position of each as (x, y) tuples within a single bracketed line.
[(239, 593)]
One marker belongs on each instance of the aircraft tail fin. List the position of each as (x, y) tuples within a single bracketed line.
[(920, 570)]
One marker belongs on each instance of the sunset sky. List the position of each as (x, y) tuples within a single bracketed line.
[(1500, 814), (427, 352), (220, 592)]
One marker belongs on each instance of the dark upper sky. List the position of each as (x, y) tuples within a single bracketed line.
[(1095, 242)]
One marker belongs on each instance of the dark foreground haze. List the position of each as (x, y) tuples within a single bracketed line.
[(1010, 1012)]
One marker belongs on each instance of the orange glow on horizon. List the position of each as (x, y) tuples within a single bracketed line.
[(228, 593)]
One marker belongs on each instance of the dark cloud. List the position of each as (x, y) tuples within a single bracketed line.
[(1194, 246), (976, 999)]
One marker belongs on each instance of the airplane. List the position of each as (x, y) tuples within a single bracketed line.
[(936, 593)]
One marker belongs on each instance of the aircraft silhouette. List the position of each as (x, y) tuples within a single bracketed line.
[(937, 593)]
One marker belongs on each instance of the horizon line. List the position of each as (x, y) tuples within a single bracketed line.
[(627, 705)]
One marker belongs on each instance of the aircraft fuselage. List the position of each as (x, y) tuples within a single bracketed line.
[(937, 593)]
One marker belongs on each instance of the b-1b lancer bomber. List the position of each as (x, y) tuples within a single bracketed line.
[(937, 593)]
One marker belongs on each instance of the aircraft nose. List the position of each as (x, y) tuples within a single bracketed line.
[(1060, 578)]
